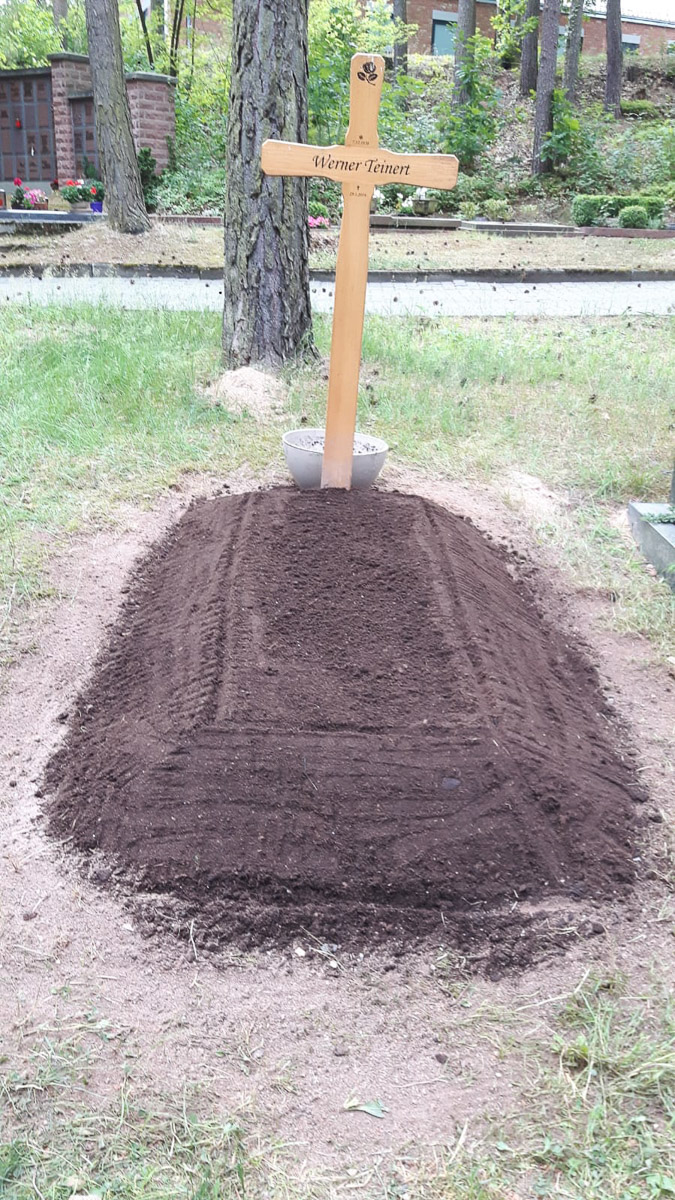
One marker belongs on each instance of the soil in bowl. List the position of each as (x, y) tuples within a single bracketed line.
[(341, 713)]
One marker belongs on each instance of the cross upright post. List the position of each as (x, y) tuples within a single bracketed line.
[(359, 166)]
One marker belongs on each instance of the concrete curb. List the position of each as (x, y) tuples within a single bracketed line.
[(479, 275), (656, 540)]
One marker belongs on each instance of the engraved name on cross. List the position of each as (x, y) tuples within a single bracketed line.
[(359, 166)]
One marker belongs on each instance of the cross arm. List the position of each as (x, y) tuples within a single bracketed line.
[(360, 164)]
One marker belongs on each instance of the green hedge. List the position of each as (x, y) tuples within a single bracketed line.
[(640, 108), (633, 217), (597, 210)]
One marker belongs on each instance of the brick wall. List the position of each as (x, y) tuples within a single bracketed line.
[(151, 101), (153, 117), (70, 77), (420, 12)]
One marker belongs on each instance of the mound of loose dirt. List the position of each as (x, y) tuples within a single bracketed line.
[(248, 391), (341, 713)]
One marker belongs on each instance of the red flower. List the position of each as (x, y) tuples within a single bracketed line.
[(70, 183), (93, 191), (55, 184), (17, 182)]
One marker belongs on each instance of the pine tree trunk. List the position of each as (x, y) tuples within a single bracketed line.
[(267, 315), (573, 49), (60, 10), (530, 52), (123, 192), (400, 13), (614, 58), (466, 28), (543, 112)]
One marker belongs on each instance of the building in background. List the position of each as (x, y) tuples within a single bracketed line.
[(438, 21)]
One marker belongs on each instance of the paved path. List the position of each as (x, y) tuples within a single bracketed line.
[(455, 298)]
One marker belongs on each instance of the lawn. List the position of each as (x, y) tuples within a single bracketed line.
[(202, 247), (103, 406), (113, 1048)]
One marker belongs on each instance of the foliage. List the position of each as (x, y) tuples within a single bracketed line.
[(28, 33), (470, 129), (327, 193), (511, 26), (149, 180), (25, 197), (559, 143), (317, 209), (75, 190), (640, 108), (202, 97), (497, 210), (337, 29), (596, 210), (634, 217), (469, 210), (189, 190)]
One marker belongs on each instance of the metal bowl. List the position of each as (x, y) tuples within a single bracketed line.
[(303, 450)]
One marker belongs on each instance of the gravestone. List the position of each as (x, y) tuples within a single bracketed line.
[(360, 165), (653, 527)]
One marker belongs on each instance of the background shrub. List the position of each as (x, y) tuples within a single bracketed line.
[(640, 108), (634, 216)]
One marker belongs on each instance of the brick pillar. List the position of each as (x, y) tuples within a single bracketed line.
[(70, 77), (153, 117)]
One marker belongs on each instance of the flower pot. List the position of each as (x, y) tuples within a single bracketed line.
[(303, 450), (424, 208), (79, 206), (42, 205), (96, 205)]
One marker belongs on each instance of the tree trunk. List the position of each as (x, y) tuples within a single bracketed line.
[(543, 112), (466, 28), (530, 52), (124, 195), (60, 10), (400, 48), (614, 58), (267, 315), (573, 49)]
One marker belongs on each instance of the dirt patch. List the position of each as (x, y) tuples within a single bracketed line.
[(342, 714), (249, 391)]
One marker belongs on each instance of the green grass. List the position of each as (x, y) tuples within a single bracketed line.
[(595, 1120), (101, 405)]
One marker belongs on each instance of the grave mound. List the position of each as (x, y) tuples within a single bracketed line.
[(342, 714)]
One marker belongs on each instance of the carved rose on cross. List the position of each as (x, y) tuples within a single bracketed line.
[(369, 73)]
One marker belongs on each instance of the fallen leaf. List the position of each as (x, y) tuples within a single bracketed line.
[(374, 1108)]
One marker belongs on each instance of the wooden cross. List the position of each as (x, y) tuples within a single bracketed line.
[(359, 166)]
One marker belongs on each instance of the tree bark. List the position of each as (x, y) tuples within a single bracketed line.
[(614, 58), (573, 49), (400, 48), (529, 65), (466, 28), (124, 195), (267, 315), (543, 112), (60, 10)]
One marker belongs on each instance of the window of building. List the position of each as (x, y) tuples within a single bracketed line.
[(630, 43), (443, 28)]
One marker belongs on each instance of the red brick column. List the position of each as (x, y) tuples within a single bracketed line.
[(70, 77), (153, 116)]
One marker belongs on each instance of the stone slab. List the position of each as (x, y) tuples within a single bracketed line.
[(656, 540)]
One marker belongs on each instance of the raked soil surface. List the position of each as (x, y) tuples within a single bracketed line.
[(345, 715)]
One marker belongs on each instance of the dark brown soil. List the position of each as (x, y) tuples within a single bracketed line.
[(342, 713)]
